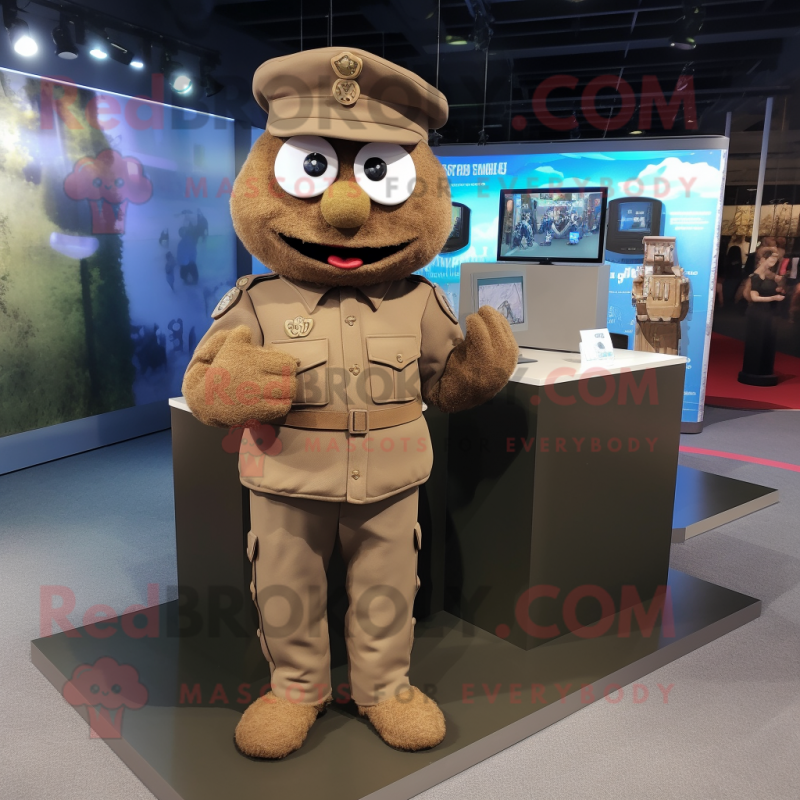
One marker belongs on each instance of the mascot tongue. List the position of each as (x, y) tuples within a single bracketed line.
[(344, 263)]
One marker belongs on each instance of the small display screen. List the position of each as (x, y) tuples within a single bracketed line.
[(554, 225), (504, 294), (457, 222), (636, 217), (459, 228)]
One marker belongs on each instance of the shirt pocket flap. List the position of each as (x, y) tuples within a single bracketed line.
[(394, 351), (309, 352)]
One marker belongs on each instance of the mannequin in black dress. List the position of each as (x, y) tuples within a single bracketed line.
[(760, 339)]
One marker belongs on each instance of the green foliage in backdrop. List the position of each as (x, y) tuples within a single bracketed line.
[(44, 370)]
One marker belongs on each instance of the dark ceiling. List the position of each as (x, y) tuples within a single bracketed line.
[(740, 55)]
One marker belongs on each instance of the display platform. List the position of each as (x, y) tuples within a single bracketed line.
[(564, 481), (493, 694), (704, 501)]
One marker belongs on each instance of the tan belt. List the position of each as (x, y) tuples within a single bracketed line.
[(357, 421)]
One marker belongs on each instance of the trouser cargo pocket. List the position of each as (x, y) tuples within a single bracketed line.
[(417, 548), (252, 555)]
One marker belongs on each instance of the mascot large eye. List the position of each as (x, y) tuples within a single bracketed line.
[(306, 166), (385, 172)]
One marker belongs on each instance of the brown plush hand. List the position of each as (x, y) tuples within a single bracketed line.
[(232, 381), (489, 333), (480, 366)]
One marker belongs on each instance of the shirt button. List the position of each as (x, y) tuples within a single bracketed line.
[(351, 320), (399, 358), (355, 474), (355, 369)]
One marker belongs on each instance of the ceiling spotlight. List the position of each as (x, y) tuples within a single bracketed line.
[(634, 133), (21, 40), (102, 47), (119, 53), (139, 61), (683, 42), (178, 78), (687, 28), (210, 84), (62, 39)]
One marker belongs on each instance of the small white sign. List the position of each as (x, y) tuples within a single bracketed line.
[(596, 346)]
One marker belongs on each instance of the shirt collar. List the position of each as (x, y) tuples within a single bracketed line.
[(312, 293), (375, 293)]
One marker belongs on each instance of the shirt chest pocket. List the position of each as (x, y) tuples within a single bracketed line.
[(312, 371), (393, 368)]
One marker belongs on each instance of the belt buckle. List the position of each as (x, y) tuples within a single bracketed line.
[(358, 422)]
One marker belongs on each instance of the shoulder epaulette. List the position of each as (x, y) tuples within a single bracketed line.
[(231, 297), (249, 281), (441, 297)]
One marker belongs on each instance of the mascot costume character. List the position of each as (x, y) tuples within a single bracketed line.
[(326, 363)]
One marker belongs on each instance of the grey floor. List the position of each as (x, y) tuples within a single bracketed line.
[(101, 524)]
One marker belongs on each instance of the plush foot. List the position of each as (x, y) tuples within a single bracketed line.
[(273, 727), (411, 721)]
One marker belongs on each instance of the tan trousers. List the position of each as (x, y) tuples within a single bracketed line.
[(290, 544)]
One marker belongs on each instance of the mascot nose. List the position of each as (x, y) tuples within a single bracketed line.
[(345, 205)]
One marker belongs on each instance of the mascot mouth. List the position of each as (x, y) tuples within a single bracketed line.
[(340, 256)]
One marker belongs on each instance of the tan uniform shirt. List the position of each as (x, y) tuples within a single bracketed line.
[(371, 347)]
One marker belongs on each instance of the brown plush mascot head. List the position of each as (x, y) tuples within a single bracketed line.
[(342, 188)]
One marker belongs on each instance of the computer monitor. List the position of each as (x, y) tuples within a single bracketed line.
[(549, 226), (545, 306), (629, 220), (459, 232), (505, 291)]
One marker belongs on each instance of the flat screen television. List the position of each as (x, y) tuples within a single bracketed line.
[(546, 226), (629, 220), (459, 232)]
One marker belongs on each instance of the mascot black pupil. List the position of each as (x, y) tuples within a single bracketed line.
[(315, 164), (375, 168)]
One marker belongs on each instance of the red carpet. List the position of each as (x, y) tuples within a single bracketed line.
[(722, 388), (764, 462)]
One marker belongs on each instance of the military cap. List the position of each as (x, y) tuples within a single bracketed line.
[(347, 93)]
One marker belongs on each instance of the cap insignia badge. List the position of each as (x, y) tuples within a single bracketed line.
[(346, 92), (298, 327), (346, 65)]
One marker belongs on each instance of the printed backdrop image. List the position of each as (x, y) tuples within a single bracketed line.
[(689, 184), (115, 244)]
